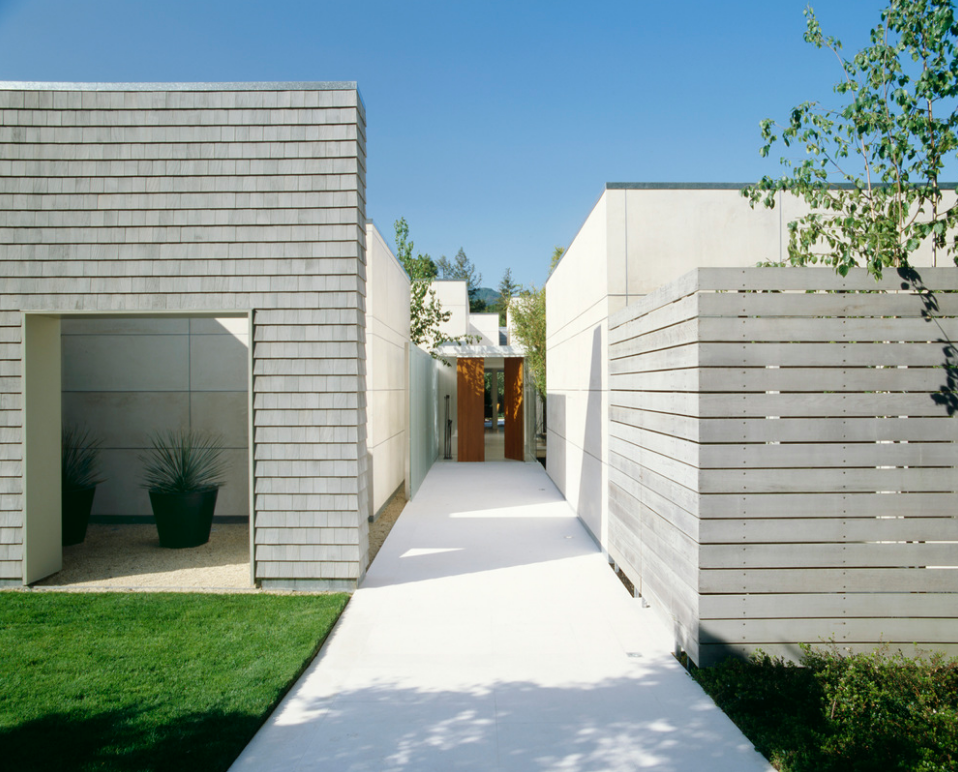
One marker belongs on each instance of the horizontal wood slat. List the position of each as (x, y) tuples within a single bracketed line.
[(924, 380), (832, 604), (790, 455)]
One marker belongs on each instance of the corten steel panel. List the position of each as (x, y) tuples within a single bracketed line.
[(470, 386), (515, 436)]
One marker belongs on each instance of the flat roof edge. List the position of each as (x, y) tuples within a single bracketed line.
[(28, 85), (725, 185), (676, 185)]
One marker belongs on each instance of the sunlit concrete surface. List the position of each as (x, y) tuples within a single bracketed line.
[(491, 634)]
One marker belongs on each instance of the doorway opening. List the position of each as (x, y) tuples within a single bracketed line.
[(495, 420), (120, 377), (490, 417)]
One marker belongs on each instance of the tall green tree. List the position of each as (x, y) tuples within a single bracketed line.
[(508, 289), (870, 168), (418, 266), (462, 269)]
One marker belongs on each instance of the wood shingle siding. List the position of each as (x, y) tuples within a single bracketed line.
[(245, 198), (782, 469)]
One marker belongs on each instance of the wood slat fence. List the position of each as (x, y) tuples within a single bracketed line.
[(782, 458)]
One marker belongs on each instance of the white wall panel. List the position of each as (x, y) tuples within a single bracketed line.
[(387, 396)]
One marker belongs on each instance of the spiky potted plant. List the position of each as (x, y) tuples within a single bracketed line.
[(183, 471), (79, 476)]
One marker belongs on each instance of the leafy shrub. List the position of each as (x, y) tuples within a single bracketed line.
[(854, 713), (887, 712)]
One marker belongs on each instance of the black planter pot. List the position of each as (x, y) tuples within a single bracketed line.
[(183, 519), (75, 506)]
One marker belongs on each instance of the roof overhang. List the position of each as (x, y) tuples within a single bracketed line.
[(460, 352)]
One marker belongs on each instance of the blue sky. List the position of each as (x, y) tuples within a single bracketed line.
[(491, 125)]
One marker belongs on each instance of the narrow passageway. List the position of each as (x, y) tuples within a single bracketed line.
[(490, 634)]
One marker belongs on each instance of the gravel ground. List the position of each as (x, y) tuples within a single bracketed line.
[(120, 557), (129, 557), (379, 530)]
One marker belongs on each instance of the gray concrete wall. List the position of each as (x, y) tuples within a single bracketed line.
[(425, 420), (206, 199), (126, 378)]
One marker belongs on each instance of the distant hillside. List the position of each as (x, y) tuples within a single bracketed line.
[(490, 296)]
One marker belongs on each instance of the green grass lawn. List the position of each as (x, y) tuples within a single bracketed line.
[(147, 681)]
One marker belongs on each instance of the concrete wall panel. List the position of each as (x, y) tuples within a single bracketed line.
[(454, 297), (126, 363), (486, 327), (387, 396), (577, 301), (425, 437), (667, 233), (217, 367), (122, 418), (222, 412), (219, 362), (124, 325)]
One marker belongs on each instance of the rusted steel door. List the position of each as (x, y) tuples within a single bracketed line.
[(470, 391), (515, 431)]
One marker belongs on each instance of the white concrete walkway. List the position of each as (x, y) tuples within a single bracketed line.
[(491, 634)]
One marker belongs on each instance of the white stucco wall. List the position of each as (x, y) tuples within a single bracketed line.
[(577, 307), (387, 333), (454, 298), (656, 234), (486, 327)]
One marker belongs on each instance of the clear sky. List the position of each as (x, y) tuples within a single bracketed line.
[(492, 126)]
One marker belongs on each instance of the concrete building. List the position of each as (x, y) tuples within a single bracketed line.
[(489, 359), (197, 256), (637, 238), (760, 450)]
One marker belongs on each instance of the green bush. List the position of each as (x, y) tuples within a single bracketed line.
[(854, 713)]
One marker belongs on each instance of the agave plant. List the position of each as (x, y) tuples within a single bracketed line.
[(183, 461), (79, 459)]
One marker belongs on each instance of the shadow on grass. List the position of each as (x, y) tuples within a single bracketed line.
[(124, 741)]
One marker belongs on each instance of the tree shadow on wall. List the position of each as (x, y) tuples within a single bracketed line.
[(947, 394), (590, 504)]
